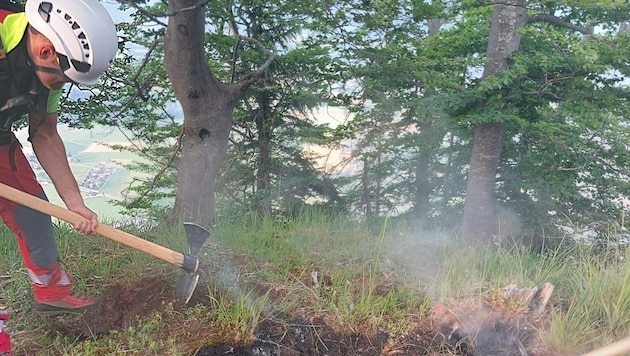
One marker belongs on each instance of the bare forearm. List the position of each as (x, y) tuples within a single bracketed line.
[(51, 154)]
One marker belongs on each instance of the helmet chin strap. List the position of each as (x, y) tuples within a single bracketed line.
[(49, 70)]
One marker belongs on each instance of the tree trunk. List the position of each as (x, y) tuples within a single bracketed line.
[(263, 172), (423, 187), (378, 185), (421, 203), (480, 207), (208, 107), (365, 198)]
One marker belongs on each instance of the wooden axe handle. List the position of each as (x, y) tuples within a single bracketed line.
[(109, 232), (620, 347)]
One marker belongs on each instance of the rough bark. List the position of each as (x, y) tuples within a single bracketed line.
[(208, 106), (480, 207), (263, 174)]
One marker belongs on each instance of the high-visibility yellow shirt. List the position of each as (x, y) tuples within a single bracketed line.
[(12, 30)]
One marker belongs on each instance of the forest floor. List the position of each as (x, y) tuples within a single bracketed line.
[(467, 327), (283, 301)]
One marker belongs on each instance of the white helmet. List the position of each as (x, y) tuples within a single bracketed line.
[(82, 33)]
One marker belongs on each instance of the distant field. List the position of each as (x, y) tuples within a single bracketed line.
[(87, 149), (73, 148)]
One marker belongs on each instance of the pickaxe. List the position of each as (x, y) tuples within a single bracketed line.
[(196, 235)]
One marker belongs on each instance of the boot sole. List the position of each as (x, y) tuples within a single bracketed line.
[(45, 309)]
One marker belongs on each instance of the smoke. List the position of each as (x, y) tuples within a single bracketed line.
[(469, 321), (420, 255)]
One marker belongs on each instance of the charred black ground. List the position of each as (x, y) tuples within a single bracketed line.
[(125, 304)]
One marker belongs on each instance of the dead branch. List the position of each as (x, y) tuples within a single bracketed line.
[(271, 56), (156, 178), (139, 86)]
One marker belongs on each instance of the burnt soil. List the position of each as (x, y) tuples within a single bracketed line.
[(124, 304)]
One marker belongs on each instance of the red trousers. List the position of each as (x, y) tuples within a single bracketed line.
[(5, 340), (34, 230)]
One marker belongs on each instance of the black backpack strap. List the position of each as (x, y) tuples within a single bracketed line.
[(5, 76), (11, 108), (11, 6)]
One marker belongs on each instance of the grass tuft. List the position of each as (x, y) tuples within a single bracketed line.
[(317, 267)]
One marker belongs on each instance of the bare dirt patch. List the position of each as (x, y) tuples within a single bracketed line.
[(125, 303)]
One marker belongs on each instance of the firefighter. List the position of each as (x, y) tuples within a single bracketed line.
[(49, 44)]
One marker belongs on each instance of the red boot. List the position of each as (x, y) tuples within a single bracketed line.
[(52, 289), (5, 340), (69, 303)]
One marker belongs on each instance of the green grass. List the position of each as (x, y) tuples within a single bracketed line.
[(590, 305), (366, 281)]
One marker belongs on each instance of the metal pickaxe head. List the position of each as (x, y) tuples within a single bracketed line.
[(187, 282)]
